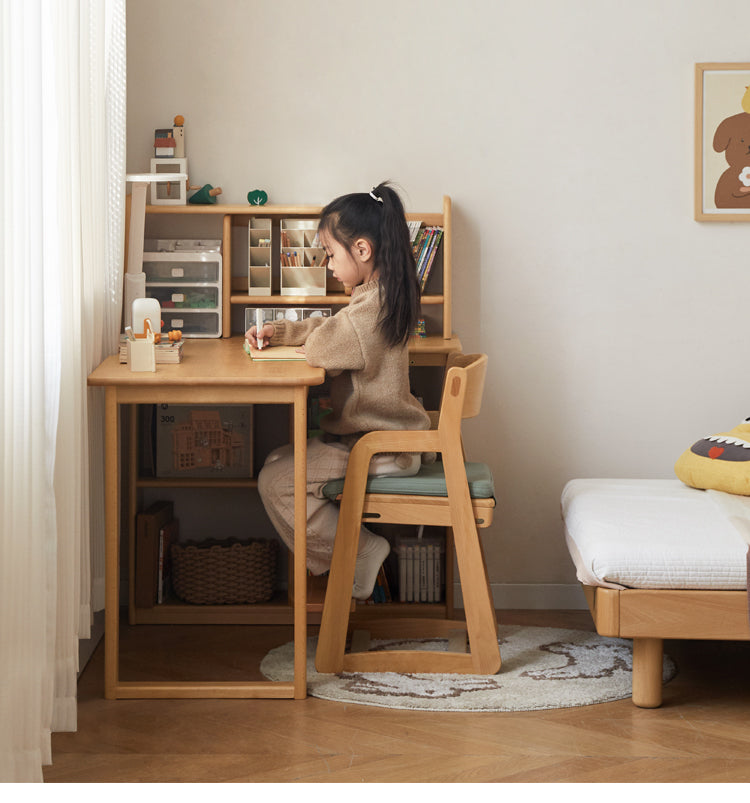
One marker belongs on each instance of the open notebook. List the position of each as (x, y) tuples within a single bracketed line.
[(274, 352)]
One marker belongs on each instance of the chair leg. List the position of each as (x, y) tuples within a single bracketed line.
[(334, 622), (450, 608), (481, 621)]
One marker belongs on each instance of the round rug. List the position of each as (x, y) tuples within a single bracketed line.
[(542, 668)]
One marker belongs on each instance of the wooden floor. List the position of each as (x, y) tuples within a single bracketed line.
[(702, 732)]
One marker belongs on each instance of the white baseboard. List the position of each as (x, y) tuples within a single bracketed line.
[(533, 596)]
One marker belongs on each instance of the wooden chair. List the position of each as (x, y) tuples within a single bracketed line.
[(417, 500)]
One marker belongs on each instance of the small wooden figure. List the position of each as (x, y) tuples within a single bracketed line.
[(178, 134), (164, 143), (205, 195)]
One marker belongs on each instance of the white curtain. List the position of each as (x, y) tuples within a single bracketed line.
[(62, 138)]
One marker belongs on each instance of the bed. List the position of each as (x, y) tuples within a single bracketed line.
[(659, 560)]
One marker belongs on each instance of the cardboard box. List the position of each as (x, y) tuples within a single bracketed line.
[(204, 441)]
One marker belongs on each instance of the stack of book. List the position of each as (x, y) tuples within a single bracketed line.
[(166, 352), (425, 247)]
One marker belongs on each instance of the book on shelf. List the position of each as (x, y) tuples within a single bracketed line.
[(148, 535), (425, 248), (271, 353), (166, 352), (168, 535), (382, 591), (420, 571)]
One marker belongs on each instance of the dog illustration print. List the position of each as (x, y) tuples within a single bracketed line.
[(733, 138)]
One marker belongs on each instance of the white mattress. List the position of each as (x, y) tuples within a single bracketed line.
[(655, 534)]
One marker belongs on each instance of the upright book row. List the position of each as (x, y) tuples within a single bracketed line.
[(420, 570), (425, 247)]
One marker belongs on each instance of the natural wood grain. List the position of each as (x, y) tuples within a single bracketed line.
[(461, 399), (216, 371), (698, 735), (651, 615)]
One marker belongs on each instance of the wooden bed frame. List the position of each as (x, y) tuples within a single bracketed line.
[(650, 616)]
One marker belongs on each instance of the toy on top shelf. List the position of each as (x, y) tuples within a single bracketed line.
[(169, 192), (178, 133), (169, 143), (205, 195), (257, 197), (169, 157)]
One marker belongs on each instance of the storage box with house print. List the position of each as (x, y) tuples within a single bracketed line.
[(204, 441)]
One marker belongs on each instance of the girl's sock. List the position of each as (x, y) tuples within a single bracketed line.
[(373, 550)]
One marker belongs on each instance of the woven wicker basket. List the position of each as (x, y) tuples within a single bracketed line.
[(227, 572)]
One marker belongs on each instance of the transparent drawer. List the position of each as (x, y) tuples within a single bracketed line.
[(181, 272), (185, 297), (191, 323)]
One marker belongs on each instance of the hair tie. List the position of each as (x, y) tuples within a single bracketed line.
[(375, 197)]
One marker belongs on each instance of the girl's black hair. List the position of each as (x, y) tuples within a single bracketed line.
[(379, 217)]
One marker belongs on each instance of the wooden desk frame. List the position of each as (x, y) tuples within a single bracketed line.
[(213, 372)]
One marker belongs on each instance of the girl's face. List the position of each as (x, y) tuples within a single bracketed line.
[(350, 267)]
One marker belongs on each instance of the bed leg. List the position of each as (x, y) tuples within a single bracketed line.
[(648, 656)]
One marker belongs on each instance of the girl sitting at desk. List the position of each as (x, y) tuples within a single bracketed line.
[(363, 349)]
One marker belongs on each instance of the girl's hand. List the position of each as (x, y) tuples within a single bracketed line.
[(265, 335)]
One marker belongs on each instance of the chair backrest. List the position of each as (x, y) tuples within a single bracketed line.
[(463, 388)]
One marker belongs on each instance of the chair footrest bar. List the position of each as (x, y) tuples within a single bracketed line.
[(419, 661)]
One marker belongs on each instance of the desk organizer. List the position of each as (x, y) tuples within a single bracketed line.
[(301, 258), (141, 354), (226, 572), (289, 250), (185, 277)]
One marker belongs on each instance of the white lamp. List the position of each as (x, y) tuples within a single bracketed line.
[(135, 279)]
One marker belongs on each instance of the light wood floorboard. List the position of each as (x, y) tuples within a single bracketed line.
[(700, 734)]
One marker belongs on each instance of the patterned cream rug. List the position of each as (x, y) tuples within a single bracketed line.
[(542, 668)]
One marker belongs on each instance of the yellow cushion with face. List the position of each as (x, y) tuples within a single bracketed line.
[(719, 462)]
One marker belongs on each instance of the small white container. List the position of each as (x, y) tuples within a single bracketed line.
[(142, 354)]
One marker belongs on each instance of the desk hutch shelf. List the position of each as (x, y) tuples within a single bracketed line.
[(253, 276)]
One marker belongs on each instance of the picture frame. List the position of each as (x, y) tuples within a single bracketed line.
[(722, 162)]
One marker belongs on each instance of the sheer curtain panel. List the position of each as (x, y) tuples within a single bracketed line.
[(62, 101)]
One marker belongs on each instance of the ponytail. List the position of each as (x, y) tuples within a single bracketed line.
[(379, 217)]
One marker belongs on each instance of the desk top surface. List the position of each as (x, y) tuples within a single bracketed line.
[(223, 361), (220, 361)]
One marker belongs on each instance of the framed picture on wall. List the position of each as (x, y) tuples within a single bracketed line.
[(722, 142)]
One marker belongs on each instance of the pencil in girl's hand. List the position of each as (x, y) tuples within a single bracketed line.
[(259, 327)]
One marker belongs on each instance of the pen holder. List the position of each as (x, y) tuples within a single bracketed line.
[(142, 354)]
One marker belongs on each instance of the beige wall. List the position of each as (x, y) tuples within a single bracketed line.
[(617, 327)]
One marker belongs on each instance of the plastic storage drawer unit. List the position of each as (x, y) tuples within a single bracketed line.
[(187, 285)]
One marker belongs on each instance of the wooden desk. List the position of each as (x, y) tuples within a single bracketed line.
[(212, 372)]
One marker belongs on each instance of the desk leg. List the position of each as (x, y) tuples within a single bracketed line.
[(111, 539), (300, 543)]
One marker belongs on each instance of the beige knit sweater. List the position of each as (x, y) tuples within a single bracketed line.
[(369, 379)]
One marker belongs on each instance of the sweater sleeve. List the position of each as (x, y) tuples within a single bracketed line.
[(330, 343), (293, 333), (335, 346)]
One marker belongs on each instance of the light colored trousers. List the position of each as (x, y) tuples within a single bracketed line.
[(325, 462)]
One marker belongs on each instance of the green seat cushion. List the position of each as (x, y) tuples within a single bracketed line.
[(430, 481)]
